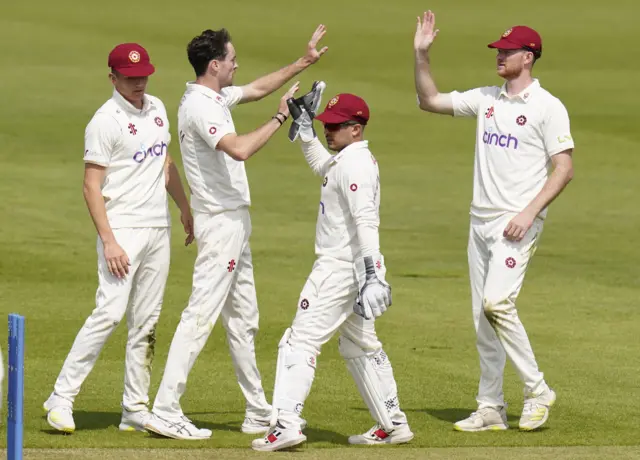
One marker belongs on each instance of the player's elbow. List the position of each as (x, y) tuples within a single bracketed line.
[(426, 102), (425, 105), (568, 174), (437, 103), (239, 154), (230, 145)]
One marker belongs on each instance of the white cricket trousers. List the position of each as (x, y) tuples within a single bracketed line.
[(139, 294), (325, 307), (497, 268), (222, 285)]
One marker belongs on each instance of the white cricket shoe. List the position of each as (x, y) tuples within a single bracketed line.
[(255, 425), (133, 421), (485, 419), (278, 438), (55, 401), (536, 410), (61, 419), (378, 435), (176, 428)]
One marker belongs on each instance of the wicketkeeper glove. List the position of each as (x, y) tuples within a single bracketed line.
[(303, 110), (375, 293)]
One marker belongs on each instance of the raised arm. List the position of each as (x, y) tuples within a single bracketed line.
[(269, 83), (429, 98), (302, 127), (241, 147)]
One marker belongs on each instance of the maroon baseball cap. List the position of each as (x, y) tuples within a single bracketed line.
[(519, 37), (345, 107), (131, 60)]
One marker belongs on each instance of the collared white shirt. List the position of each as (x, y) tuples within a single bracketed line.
[(218, 182), (515, 139), (349, 195), (132, 145)]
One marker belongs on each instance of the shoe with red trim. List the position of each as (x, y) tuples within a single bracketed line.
[(378, 435), (279, 438)]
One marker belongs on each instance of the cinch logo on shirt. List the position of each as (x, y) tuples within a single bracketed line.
[(501, 140), (156, 151)]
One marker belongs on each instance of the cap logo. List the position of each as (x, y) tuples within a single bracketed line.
[(359, 112), (333, 102), (134, 57), (532, 45), (507, 33)]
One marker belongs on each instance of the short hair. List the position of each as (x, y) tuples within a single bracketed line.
[(209, 45)]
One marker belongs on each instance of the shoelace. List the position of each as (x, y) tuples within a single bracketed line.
[(478, 414), (530, 405)]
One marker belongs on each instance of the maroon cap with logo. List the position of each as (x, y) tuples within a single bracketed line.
[(345, 107), (131, 60), (519, 37)]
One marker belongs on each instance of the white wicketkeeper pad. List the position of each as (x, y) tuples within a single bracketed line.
[(295, 371), (374, 377)]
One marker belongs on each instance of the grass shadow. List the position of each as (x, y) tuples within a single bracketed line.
[(453, 415), (91, 420), (315, 435)]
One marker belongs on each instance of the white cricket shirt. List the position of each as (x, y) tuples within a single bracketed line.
[(349, 195), (515, 140), (218, 182), (132, 145)]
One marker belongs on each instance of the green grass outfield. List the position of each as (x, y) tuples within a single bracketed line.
[(580, 302)]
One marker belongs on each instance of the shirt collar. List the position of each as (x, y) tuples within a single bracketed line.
[(127, 106), (355, 146), (524, 95), (210, 93)]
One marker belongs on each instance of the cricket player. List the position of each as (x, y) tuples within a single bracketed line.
[(346, 289), (128, 172), (213, 156), (523, 161)]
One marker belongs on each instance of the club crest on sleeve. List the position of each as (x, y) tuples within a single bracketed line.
[(159, 121), (134, 57), (521, 120), (304, 304), (510, 262), (231, 265), (353, 187), (132, 129), (213, 130), (324, 182)]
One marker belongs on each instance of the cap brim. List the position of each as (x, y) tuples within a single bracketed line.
[(332, 118), (504, 44), (137, 71)]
